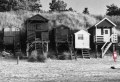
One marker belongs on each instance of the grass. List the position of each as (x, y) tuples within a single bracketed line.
[(82, 70)]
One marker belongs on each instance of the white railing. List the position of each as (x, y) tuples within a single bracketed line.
[(99, 38), (104, 50)]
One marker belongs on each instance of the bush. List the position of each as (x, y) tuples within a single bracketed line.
[(52, 55), (33, 56), (65, 56), (42, 57)]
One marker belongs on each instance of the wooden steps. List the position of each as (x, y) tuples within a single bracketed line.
[(85, 53)]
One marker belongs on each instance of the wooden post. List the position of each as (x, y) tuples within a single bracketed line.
[(56, 49), (27, 50), (96, 50), (113, 47), (47, 46), (18, 58), (35, 43)]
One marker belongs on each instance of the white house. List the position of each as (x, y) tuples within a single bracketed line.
[(82, 40)]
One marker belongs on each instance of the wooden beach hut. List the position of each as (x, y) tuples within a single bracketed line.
[(11, 37), (82, 41), (103, 36), (37, 34), (63, 39)]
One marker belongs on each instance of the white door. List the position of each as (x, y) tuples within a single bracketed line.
[(79, 41), (86, 41), (106, 35)]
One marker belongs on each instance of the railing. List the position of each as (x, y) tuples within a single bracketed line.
[(105, 47), (106, 42), (99, 39), (114, 38)]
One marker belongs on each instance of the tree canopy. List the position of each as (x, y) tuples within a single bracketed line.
[(58, 5), (112, 10), (85, 11), (30, 5)]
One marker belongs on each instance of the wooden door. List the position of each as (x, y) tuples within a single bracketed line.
[(86, 41), (106, 35), (79, 43)]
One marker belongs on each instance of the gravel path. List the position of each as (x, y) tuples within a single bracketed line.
[(82, 70)]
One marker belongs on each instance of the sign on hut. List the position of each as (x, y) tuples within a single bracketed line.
[(37, 33), (82, 42)]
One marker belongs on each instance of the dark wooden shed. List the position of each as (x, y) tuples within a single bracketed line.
[(11, 36), (103, 36), (63, 39), (37, 33)]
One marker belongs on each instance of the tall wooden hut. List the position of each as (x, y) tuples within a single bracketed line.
[(82, 42), (37, 34), (63, 39), (103, 36)]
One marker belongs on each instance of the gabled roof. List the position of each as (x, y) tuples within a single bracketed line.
[(38, 17), (82, 32), (107, 20), (61, 25)]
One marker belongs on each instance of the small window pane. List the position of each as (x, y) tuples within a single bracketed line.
[(106, 31), (80, 37)]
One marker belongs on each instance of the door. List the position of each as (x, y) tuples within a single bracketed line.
[(106, 35), (86, 41), (79, 43)]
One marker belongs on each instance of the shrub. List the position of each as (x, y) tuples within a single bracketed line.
[(42, 57), (52, 55), (65, 56), (33, 56)]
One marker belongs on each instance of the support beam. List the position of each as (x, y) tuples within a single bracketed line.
[(96, 50), (27, 50), (114, 47)]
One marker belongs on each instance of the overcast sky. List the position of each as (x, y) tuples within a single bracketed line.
[(97, 7)]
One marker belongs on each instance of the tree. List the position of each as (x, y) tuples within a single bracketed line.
[(85, 11), (70, 9), (112, 10), (58, 5), (31, 5), (34, 5)]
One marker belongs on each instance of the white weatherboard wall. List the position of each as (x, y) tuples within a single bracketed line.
[(82, 40)]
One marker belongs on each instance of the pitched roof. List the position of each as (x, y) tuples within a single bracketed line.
[(38, 17), (83, 32), (107, 20)]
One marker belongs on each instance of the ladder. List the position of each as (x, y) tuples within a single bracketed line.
[(86, 53)]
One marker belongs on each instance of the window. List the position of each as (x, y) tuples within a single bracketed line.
[(106, 31), (80, 37)]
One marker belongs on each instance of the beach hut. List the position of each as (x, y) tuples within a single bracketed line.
[(63, 39), (11, 37), (82, 41), (37, 34), (103, 35)]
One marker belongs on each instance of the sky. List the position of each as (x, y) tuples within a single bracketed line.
[(97, 7)]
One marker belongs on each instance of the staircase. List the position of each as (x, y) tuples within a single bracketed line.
[(85, 53), (107, 45), (106, 48)]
